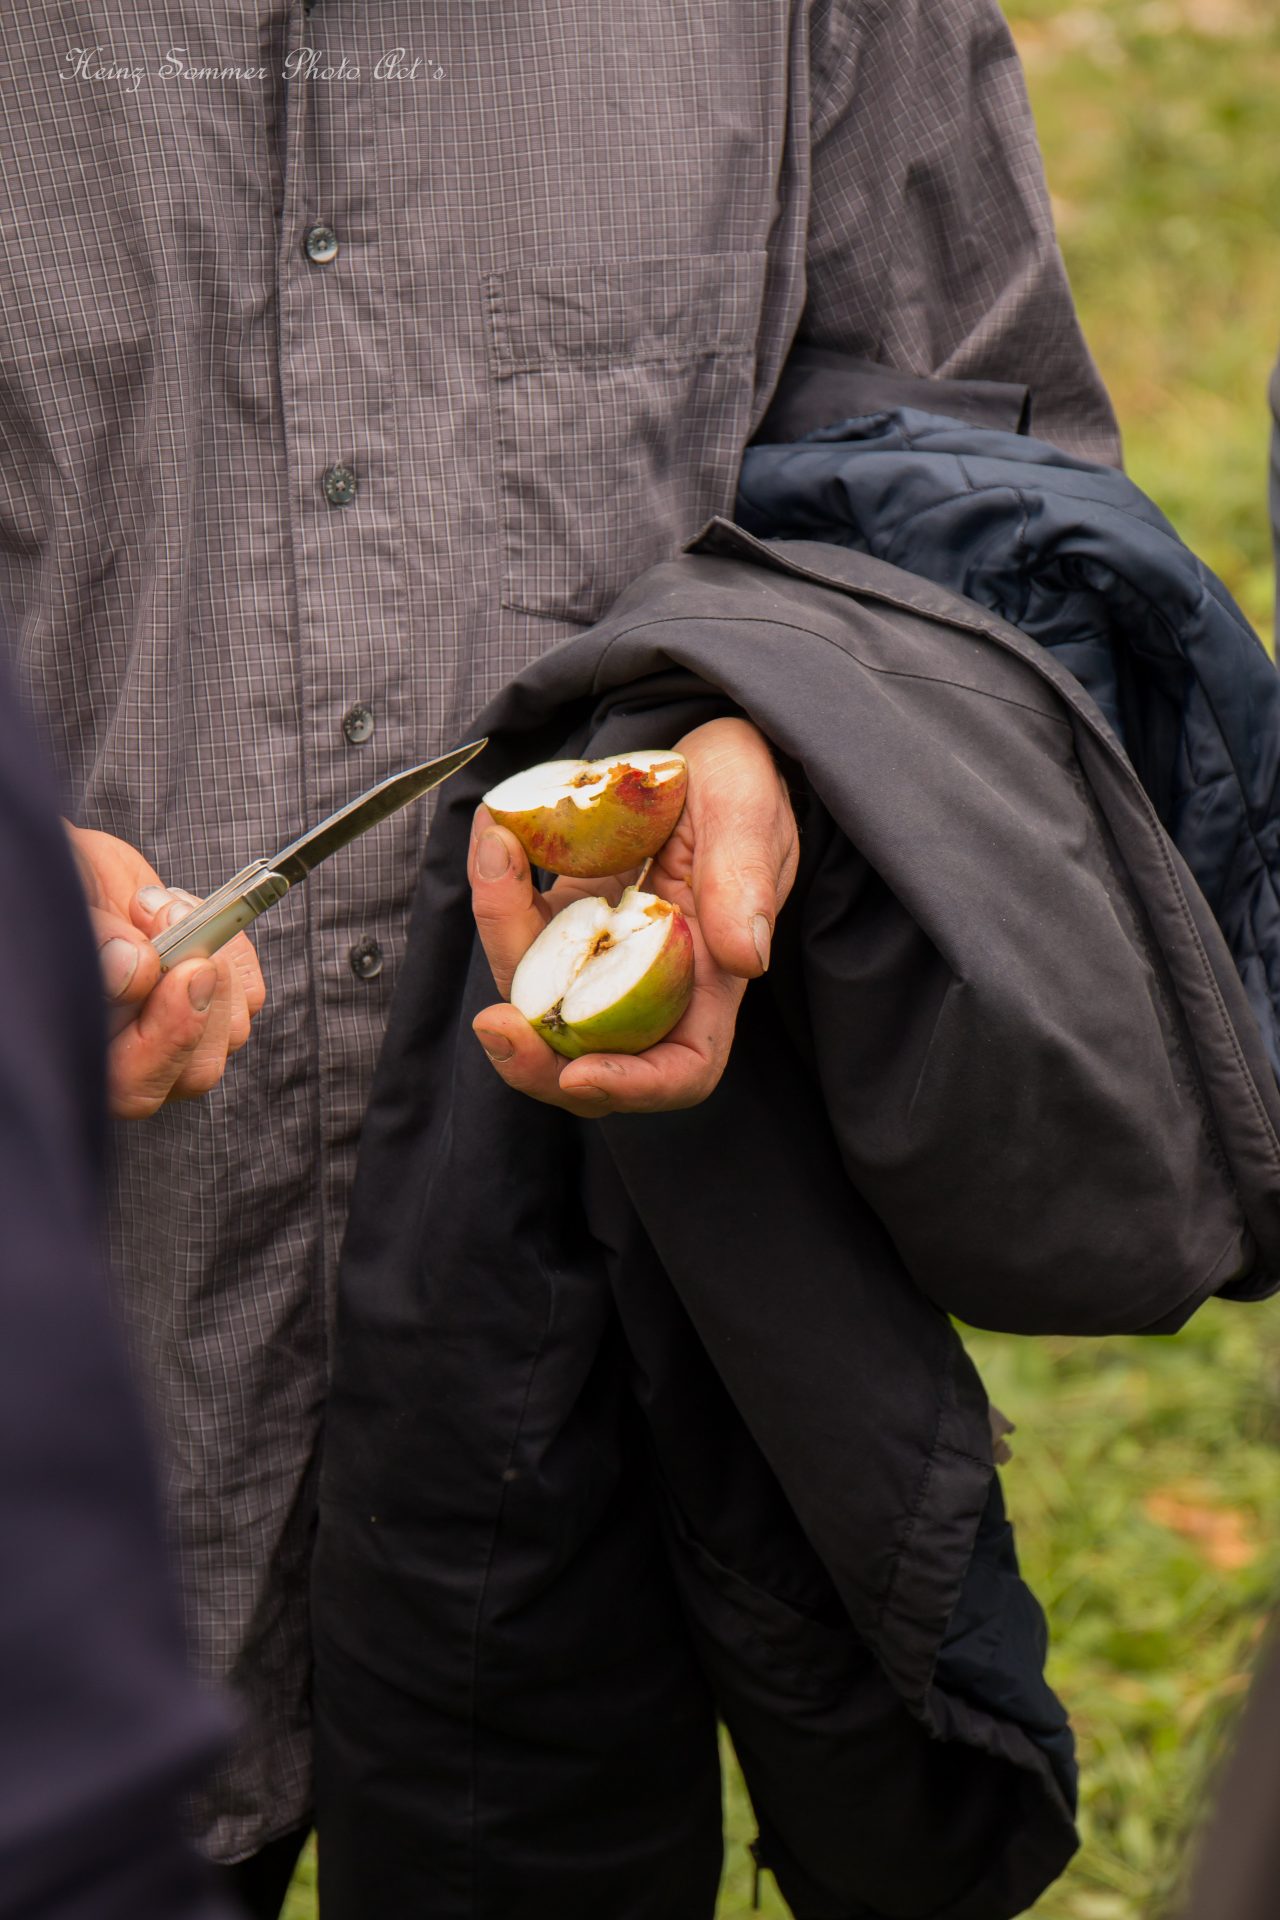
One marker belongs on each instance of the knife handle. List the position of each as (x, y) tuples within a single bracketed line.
[(200, 933), (224, 914)]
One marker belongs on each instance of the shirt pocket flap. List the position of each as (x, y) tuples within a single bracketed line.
[(671, 310)]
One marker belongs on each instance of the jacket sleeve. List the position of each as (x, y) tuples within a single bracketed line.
[(101, 1726), (931, 245)]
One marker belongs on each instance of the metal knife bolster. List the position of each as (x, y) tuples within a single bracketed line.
[(224, 914)]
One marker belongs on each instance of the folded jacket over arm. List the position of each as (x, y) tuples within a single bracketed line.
[(664, 1414)]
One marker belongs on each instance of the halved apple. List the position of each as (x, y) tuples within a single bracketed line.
[(593, 817), (602, 979)]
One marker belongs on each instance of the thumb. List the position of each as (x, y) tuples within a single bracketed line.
[(508, 918), (129, 964)]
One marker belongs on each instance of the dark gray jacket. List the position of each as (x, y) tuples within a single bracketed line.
[(635, 1418), (1080, 560)]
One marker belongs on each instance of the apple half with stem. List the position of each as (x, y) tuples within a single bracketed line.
[(590, 818), (602, 979)]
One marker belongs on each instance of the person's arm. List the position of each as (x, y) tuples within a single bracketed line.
[(101, 1727), (931, 245)]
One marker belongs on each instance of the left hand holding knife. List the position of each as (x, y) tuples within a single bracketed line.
[(181, 980), (186, 1022)]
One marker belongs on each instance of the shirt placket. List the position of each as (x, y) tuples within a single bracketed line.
[(346, 541)]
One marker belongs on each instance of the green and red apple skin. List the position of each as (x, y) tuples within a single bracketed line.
[(627, 822), (646, 1014)]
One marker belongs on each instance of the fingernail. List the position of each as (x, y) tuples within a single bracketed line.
[(178, 911), (119, 962), (202, 988), (151, 899), (761, 935), (496, 1045), (492, 858), (591, 1096)]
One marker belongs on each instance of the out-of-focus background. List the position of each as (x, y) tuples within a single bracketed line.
[(1146, 1479), (1158, 124)]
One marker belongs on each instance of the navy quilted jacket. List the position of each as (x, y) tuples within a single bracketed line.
[(1082, 561)]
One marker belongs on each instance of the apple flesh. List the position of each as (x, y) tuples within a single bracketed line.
[(602, 979), (593, 817)]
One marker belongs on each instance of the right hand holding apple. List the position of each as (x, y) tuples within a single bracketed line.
[(171, 1033), (727, 867)]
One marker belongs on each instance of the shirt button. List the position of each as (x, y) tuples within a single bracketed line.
[(358, 724), (321, 245), (366, 959), (339, 486)]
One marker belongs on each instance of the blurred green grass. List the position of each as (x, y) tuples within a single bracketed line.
[(1146, 1477), (1146, 1473), (1158, 124), (1144, 1486)]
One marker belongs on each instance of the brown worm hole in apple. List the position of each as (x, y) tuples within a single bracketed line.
[(591, 818), (604, 979)]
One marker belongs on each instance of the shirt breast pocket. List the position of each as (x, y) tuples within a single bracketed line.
[(621, 397)]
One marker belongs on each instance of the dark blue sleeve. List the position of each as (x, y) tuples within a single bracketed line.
[(101, 1727)]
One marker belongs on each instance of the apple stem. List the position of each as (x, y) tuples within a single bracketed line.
[(637, 884)]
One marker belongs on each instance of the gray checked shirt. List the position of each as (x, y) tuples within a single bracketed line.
[(316, 426)]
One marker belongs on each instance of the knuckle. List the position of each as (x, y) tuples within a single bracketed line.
[(757, 870), (489, 927), (130, 1101), (248, 978), (694, 1094), (201, 1077), (490, 918)]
